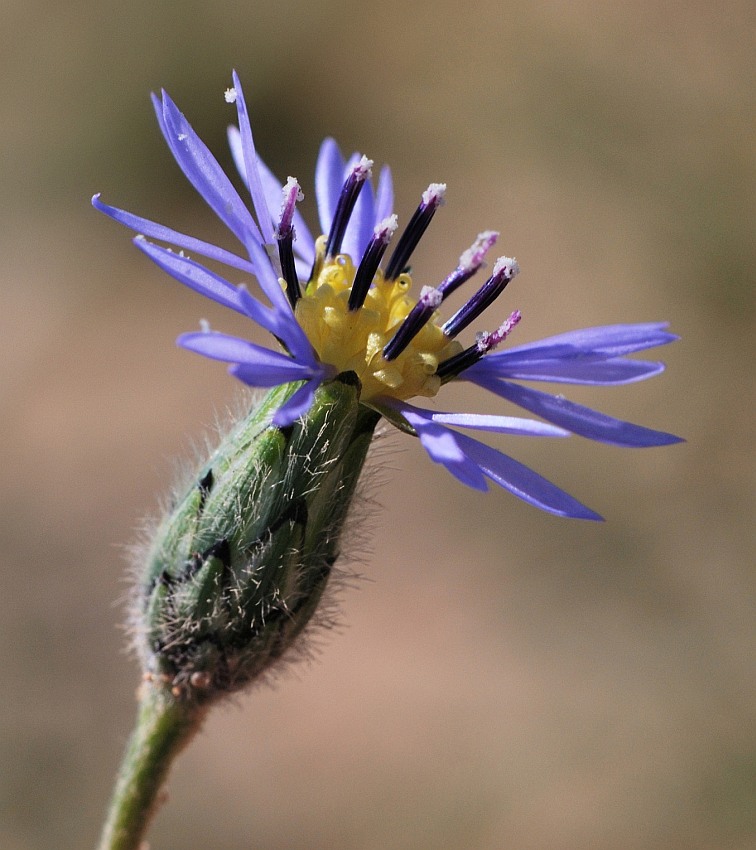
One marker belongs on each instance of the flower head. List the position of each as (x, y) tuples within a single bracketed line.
[(334, 308)]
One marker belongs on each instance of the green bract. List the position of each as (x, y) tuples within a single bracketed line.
[(237, 569)]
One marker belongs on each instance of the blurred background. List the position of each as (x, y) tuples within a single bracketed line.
[(504, 678)]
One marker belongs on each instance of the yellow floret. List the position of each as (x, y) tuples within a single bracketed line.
[(354, 340)]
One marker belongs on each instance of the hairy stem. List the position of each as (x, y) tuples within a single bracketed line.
[(164, 727)]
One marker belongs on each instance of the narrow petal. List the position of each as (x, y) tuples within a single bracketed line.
[(442, 447), (249, 155), (586, 370), (303, 267), (297, 405), (608, 341), (145, 227), (267, 277), (304, 244), (467, 458), (577, 418), (261, 366), (205, 174), (523, 482), (500, 424), (282, 325), (329, 178), (384, 197), (194, 275)]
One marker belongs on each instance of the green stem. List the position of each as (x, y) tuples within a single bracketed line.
[(164, 727)]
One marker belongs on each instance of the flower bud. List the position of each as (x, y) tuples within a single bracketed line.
[(238, 568)]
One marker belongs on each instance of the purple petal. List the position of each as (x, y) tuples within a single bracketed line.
[(296, 406), (303, 267), (499, 424), (583, 370), (523, 482), (607, 341), (282, 325), (470, 460), (384, 197), (577, 418), (329, 178), (442, 447), (267, 277), (304, 244), (249, 155), (194, 275), (145, 227), (260, 367), (204, 173)]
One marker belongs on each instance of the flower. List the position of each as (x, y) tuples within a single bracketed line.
[(333, 309)]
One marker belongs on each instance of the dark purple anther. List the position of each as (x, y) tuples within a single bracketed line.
[(285, 236), (483, 344), (429, 301), (347, 199), (371, 260), (504, 270), (433, 197)]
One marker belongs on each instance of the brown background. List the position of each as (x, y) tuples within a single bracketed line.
[(507, 679)]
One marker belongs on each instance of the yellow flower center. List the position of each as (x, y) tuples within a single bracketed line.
[(353, 340)]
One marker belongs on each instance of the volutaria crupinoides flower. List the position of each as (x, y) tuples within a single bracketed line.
[(238, 568)]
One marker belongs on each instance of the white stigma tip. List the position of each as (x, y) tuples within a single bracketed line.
[(230, 95), (291, 184), (387, 228), (363, 168), (434, 194), (430, 297), (506, 266), (472, 258), (204, 326)]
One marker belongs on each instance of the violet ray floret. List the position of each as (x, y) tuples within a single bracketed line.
[(249, 155), (432, 199)]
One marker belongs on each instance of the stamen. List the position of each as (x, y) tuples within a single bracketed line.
[(418, 316), (371, 260), (484, 343), (469, 263), (285, 236), (348, 198), (230, 95), (433, 198), (504, 270)]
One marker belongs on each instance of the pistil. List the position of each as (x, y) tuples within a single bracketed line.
[(504, 270), (432, 199), (347, 199), (371, 260), (484, 343), (285, 236)]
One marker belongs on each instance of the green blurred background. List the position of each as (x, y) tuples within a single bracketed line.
[(506, 679)]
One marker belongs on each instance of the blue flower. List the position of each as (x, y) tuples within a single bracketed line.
[(333, 308)]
